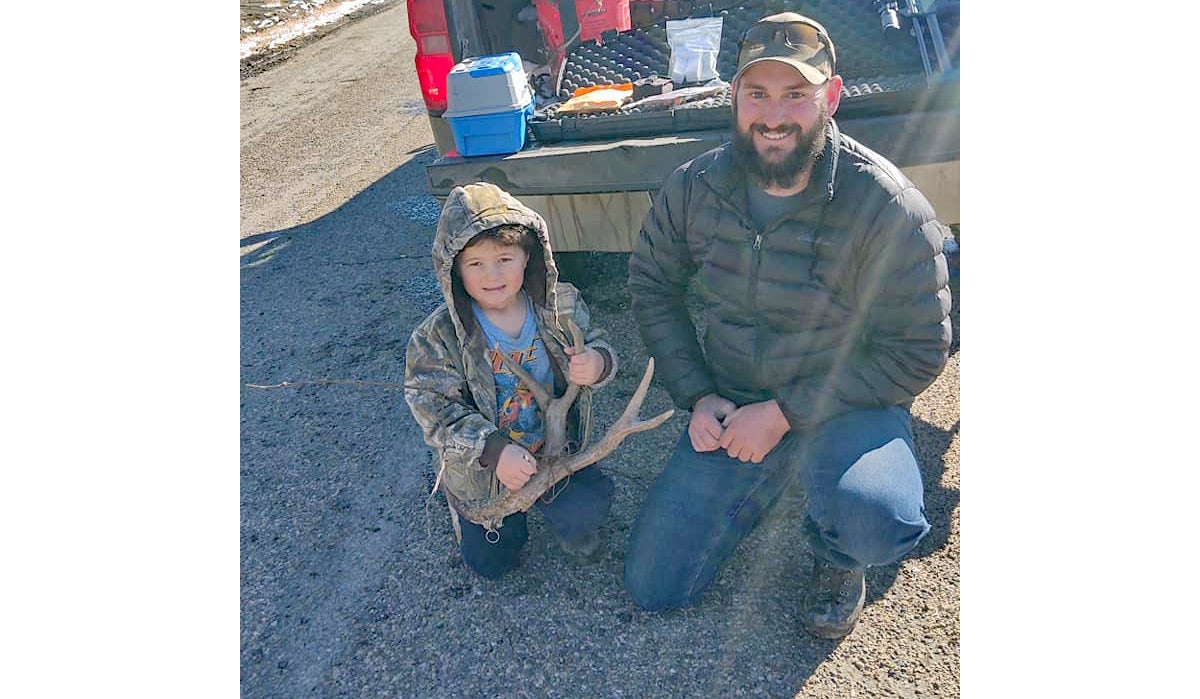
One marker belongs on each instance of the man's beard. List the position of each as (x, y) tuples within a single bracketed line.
[(781, 174)]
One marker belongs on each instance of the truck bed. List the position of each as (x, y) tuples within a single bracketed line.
[(592, 176)]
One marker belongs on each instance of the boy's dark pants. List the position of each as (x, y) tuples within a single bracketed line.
[(576, 511)]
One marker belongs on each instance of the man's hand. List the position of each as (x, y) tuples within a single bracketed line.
[(515, 467), (753, 430), (586, 367), (705, 428)]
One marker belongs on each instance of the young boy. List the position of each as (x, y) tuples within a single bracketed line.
[(498, 277)]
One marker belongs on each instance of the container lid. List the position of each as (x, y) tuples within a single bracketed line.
[(490, 84), (525, 103), (494, 64)]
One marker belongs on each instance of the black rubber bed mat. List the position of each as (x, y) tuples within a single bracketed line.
[(883, 72)]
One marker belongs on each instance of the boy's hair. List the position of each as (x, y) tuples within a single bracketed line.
[(508, 234)]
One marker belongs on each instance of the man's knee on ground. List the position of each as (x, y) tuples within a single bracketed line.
[(652, 592)]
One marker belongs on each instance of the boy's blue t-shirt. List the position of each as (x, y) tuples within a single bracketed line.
[(516, 409)]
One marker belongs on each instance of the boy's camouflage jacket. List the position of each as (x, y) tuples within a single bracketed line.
[(448, 381)]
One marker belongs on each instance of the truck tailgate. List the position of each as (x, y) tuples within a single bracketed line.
[(642, 164)]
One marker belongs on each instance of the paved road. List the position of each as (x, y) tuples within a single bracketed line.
[(351, 586)]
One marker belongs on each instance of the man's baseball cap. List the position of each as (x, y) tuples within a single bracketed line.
[(789, 38)]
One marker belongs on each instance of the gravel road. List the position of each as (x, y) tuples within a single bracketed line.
[(351, 584)]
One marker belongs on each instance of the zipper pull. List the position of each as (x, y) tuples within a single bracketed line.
[(757, 242)]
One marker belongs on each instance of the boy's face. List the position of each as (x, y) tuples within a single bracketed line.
[(493, 274)]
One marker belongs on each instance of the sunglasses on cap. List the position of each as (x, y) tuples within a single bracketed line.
[(796, 35)]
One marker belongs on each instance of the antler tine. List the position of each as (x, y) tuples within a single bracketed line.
[(628, 423), (540, 394), (635, 403), (576, 334), (577, 337)]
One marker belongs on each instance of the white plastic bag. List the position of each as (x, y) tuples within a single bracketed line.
[(695, 43)]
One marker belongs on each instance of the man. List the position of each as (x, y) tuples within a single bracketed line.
[(820, 267)]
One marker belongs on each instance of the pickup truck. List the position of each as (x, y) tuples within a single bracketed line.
[(594, 176)]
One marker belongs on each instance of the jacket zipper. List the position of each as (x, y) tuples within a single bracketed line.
[(752, 291), (756, 365)]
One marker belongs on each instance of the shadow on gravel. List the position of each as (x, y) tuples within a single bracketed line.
[(399, 194), (329, 490)]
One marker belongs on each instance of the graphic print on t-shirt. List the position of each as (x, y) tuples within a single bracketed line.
[(517, 410)]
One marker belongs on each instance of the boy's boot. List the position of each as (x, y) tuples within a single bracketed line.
[(833, 600), (588, 548)]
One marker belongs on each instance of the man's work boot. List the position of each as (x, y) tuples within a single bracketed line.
[(833, 601)]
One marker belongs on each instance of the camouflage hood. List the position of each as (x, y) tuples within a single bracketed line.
[(475, 208)]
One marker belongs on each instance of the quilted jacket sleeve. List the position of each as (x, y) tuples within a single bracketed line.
[(901, 316), (659, 272), (435, 387)]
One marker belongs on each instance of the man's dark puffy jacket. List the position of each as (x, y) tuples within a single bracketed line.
[(841, 303)]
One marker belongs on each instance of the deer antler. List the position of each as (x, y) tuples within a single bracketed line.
[(554, 410), (555, 464), (629, 423), (552, 469)]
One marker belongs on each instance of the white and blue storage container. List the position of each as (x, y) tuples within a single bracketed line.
[(488, 103)]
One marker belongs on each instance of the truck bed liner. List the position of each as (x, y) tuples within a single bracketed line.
[(882, 71)]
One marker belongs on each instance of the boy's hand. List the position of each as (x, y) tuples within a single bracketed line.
[(586, 366), (515, 467)]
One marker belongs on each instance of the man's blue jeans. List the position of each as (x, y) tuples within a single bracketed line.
[(865, 504)]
